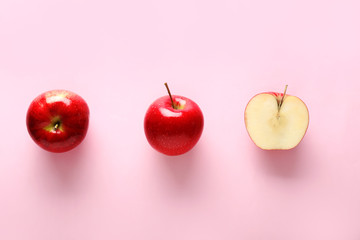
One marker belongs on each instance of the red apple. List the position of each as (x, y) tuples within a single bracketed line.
[(276, 120), (58, 120), (173, 124)]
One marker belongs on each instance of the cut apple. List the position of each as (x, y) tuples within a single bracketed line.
[(276, 122)]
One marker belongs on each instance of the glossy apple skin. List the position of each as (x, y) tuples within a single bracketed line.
[(278, 96), (173, 131), (61, 107)]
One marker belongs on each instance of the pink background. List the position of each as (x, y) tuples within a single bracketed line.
[(117, 55)]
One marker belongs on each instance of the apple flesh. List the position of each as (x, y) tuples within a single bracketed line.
[(58, 120), (173, 130), (274, 122)]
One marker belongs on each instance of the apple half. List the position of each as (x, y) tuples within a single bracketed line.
[(276, 121)]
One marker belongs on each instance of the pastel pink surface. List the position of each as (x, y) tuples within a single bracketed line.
[(117, 55)]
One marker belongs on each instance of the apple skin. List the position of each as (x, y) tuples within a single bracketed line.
[(58, 120), (278, 96), (173, 131)]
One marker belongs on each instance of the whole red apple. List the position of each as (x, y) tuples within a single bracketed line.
[(58, 120), (173, 124)]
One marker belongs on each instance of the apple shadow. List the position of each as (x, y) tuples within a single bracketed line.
[(64, 170), (181, 168), (282, 163)]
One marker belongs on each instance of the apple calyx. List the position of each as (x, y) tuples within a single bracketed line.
[(175, 105), (55, 125)]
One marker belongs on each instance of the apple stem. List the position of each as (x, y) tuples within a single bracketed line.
[(172, 102), (282, 99), (56, 126)]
